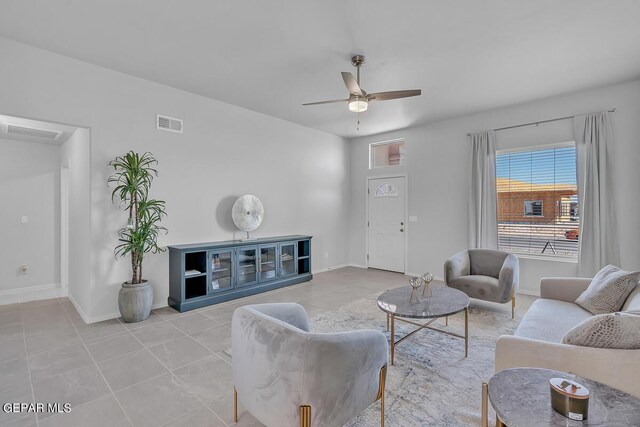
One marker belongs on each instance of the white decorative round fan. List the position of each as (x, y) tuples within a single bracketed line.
[(247, 213)]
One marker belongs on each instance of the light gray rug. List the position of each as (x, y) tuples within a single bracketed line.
[(431, 383)]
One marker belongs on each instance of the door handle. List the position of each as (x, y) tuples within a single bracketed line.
[(401, 222), (402, 230)]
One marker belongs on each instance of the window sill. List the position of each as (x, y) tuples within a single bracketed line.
[(569, 260)]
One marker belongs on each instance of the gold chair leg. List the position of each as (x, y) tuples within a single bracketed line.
[(235, 405), (499, 422), (305, 416), (513, 306), (383, 381), (485, 405)]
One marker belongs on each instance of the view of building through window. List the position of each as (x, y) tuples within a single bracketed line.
[(390, 153), (538, 201)]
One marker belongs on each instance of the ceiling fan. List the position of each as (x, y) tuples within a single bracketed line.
[(359, 99)]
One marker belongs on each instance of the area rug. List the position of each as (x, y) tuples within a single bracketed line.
[(431, 382)]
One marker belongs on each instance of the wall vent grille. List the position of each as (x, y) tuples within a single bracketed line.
[(31, 132), (167, 123)]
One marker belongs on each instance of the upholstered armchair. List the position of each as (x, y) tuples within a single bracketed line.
[(484, 274), (285, 375)]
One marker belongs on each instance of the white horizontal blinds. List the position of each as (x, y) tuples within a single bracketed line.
[(538, 201)]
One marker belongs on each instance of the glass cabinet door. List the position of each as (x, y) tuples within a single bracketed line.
[(221, 264), (247, 266), (287, 259), (267, 267)]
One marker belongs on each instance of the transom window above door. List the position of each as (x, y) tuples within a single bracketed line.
[(387, 153)]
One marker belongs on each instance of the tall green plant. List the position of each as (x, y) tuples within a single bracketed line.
[(132, 180)]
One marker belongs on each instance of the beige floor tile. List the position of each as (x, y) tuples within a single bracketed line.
[(74, 387), (46, 325), (100, 329), (156, 401), (168, 313), (14, 377), (13, 348), (209, 378), (152, 319), (5, 308), (113, 346), (11, 331), (102, 412), (215, 339), (50, 363), (179, 352), (201, 417), (223, 408), (193, 323), (10, 318), (56, 338), (157, 333), (130, 369)]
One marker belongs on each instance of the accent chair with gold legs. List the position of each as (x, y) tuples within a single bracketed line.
[(285, 375), (485, 274)]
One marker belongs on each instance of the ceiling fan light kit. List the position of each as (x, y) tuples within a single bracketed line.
[(359, 100)]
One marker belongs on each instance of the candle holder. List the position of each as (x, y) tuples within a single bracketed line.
[(427, 278), (415, 283)]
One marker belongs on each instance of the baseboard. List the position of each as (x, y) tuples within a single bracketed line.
[(110, 316), (333, 267), (528, 292), (33, 293), (82, 314), (357, 266)]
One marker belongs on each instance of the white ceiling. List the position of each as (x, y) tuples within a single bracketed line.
[(272, 56)]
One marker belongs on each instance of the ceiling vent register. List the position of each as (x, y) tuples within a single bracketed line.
[(170, 124), (31, 132)]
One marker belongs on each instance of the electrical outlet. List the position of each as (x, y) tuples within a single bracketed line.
[(23, 269), (24, 220)]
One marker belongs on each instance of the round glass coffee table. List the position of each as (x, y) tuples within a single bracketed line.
[(443, 302)]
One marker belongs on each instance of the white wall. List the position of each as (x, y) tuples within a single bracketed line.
[(300, 174), (29, 186), (76, 155), (437, 165)]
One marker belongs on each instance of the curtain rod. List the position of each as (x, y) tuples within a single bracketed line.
[(613, 110)]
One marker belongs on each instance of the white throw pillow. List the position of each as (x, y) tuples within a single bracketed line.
[(633, 300), (612, 330), (608, 290)]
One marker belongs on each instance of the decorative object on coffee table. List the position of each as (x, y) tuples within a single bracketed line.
[(521, 397), (443, 302), (247, 213), (415, 283), (569, 398), (427, 278), (132, 180)]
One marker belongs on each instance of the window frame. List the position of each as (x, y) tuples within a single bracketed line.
[(386, 142), (545, 256), (533, 214)]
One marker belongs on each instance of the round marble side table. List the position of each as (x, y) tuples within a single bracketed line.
[(521, 398)]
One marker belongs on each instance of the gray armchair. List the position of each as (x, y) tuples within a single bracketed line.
[(484, 274), (285, 375)]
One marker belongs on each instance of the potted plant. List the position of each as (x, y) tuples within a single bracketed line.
[(131, 180)]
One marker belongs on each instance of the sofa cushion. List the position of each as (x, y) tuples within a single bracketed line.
[(608, 290), (633, 300), (612, 330), (549, 320), (477, 286)]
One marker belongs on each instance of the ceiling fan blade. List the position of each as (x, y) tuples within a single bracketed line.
[(395, 94), (326, 102), (351, 83)]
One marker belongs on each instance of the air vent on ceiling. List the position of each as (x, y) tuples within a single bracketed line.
[(31, 132), (170, 124)]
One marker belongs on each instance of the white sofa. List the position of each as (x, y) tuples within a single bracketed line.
[(538, 340), (286, 376)]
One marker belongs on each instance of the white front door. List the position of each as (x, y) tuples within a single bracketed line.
[(386, 223)]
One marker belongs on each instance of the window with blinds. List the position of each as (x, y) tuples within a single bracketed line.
[(538, 201)]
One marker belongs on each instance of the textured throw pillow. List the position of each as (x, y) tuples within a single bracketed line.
[(633, 300), (612, 330), (608, 290)]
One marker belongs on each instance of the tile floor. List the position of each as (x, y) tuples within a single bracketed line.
[(172, 369)]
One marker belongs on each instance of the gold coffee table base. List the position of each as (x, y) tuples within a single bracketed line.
[(391, 319)]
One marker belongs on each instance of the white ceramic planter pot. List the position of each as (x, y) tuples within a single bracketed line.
[(135, 301)]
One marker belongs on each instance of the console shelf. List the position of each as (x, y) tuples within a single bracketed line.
[(202, 274)]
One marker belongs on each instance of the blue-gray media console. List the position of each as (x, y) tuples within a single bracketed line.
[(209, 273)]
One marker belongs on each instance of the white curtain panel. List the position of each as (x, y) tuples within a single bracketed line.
[(483, 199), (598, 234)]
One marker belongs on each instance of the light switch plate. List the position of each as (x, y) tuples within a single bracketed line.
[(413, 219), (24, 220)]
